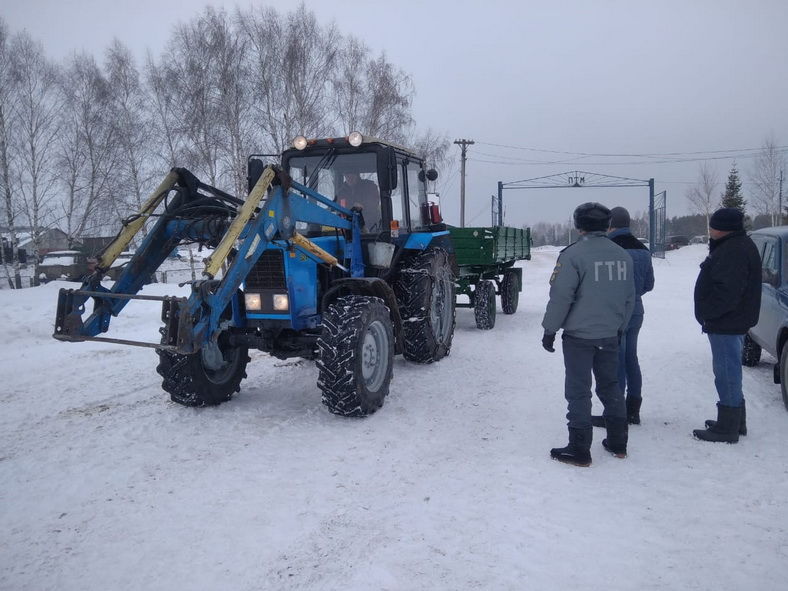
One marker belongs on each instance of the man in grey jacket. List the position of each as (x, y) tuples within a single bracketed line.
[(592, 295)]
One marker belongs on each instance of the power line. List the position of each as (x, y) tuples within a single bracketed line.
[(625, 155), (739, 156)]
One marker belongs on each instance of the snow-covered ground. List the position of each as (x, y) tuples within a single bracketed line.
[(105, 484)]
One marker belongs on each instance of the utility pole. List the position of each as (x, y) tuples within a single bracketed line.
[(463, 147), (781, 199)]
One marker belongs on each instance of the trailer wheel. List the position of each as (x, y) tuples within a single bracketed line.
[(750, 352), (484, 305), (355, 355), (205, 378), (425, 293), (510, 292)]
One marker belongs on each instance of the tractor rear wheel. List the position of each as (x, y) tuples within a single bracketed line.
[(355, 355), (510, 292), (205, 378), (425, 293), (484, 305)]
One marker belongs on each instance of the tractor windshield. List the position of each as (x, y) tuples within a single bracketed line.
[(349, 179)]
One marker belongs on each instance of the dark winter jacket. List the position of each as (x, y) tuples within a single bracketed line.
[(641, 259), (592, 293), (728, 289)]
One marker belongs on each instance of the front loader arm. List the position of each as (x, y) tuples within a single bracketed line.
[(189, 324)]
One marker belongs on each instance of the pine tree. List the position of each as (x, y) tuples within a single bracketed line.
[(732, 196)]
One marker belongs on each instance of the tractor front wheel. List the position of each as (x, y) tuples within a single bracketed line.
[(205, 378), (355, 355), (208, 377)]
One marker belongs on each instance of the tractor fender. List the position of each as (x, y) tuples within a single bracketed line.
[(425, 240), (422, 240), (369, 286)]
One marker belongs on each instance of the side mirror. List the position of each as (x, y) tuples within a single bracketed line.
[(430, 175), (254, 168)]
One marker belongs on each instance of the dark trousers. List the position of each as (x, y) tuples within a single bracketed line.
[(582, 357), (630, 380)]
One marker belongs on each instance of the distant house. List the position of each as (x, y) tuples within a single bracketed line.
[(93, 245), (51, 239)]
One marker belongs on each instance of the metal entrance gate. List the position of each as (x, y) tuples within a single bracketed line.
[(576, 178), (657, 225)]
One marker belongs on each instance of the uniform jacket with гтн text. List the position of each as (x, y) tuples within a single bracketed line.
[(592, 291)]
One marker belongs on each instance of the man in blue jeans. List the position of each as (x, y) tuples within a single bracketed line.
[(630, 380), (727, 304)]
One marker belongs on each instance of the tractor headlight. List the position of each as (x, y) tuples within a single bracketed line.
[(300, 142), (355, 138), (253, 301), (281, 302)]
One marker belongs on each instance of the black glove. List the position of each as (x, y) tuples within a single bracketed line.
[(547, 342)]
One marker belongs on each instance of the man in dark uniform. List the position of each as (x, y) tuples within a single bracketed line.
[(727, 304), (364, 195), (592, 295)]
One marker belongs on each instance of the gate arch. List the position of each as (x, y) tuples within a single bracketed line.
[(579, 179)]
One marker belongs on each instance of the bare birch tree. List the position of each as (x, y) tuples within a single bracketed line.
[(702, 196), (187, 68), (370, 94), (86, 152), (765, 181), (167, 129), (131, 131), (8, 123), (434, 148), (292, 62), (38, 110), (234, 95)]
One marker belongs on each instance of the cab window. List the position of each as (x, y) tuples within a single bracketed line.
[(417, 196), (398, 199)]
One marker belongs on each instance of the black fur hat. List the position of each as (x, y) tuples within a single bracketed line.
[(592, 217)]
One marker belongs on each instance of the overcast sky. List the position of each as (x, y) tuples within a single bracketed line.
[(549, 80)]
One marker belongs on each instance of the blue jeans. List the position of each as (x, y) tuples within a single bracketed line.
[(582, 358), (629, 377), (726, 362)]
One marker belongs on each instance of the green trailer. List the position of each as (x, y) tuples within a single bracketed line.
[(485, 260)]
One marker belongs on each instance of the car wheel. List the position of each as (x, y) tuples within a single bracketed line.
[(750, 353), (784, 375)]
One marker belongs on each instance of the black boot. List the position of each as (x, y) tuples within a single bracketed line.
[(742, 425), (633, 410), (617, 435), (578, 452), (726, 427)]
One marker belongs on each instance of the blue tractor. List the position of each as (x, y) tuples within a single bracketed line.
[(335, 255)]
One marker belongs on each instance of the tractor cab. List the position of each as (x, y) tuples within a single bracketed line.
[(384, 181)]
